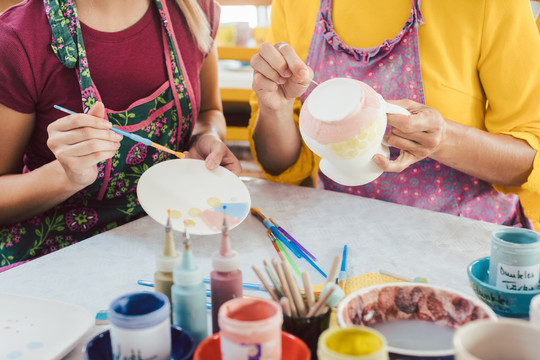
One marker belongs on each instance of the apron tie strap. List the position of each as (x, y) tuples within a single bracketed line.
[(64, 22)]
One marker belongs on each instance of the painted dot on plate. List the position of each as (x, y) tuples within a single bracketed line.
[(34, 345), (189, 223), (194, 212), (175, 214), (213, 202), (14, 354)]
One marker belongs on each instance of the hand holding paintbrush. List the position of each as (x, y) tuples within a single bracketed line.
[(133, 137)]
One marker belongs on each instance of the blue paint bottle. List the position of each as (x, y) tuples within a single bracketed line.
[(189, 295)]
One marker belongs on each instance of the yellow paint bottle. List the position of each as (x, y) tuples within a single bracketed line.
[(352, 343)]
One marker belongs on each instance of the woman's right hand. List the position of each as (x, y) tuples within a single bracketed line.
[(80, 142), (279, 75)]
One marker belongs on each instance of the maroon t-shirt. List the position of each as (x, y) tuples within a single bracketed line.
[(125, 66)]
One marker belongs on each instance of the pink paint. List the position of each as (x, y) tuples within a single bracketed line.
[(226, 277), (213, 219), (368, 109), (250, 329)]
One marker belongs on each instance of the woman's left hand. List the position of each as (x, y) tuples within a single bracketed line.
[(214, 152), (418, 135)]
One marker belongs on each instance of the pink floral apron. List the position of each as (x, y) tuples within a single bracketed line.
[(393, 70), (111, 200)]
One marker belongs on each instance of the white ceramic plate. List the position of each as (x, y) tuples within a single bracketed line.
[(194, 194), (34, 328)]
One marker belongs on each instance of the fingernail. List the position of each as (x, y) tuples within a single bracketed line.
[(282, 81), (303, 72), (210, 163), (287, 73), (118, 136)]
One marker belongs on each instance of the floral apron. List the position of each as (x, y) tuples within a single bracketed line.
[(393, 70), (111, 200)]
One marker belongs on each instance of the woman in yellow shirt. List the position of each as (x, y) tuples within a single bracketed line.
[(472, 63)]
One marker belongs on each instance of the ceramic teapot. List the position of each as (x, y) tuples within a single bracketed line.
[(343, 121)]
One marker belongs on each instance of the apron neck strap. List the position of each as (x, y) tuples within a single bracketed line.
[(65, 27)]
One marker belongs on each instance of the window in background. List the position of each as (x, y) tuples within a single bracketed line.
[(243, 25)]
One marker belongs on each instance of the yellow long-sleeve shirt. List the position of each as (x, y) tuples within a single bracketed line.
[(480, 63)]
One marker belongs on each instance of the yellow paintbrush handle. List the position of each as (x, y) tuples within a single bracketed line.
[(170, 151)]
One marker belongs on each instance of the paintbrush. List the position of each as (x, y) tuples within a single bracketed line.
[(133, 137)]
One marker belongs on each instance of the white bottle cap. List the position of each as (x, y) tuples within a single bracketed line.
[(167, 263), (225, 263)]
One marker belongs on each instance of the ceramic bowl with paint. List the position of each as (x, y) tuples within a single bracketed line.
[(343, 121), (182, 346), (292, 348), (506, 339), (505, 302), (418, 320)]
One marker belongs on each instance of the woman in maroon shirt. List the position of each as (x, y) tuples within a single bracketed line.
[(145, 66)]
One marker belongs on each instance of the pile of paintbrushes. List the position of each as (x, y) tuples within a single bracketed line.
[(285, 290)]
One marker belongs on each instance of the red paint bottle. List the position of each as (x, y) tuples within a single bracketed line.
[(226, 277)]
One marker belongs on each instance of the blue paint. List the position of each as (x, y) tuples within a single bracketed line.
[(14, 355), (236, 210), (34, 345), (139, 310)]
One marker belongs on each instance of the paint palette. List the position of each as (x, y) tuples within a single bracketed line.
[(196, 197), (34, 328)]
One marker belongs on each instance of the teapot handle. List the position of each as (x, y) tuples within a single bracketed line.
[(394, 109)]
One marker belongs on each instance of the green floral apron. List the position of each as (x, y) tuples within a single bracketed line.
[(111, 200)]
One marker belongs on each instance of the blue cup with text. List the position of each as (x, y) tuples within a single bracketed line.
[(515, 259)]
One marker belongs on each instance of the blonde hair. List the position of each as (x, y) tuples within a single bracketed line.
[(197, 23)]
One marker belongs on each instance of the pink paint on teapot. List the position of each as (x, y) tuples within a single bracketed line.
[(360, 99)]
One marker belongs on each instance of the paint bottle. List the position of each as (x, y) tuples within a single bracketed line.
[(352, 343), (189, 295), (166, 262), (250, 329), (226, 279)]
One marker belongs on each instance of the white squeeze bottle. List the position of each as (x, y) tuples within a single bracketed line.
[(166, 262)]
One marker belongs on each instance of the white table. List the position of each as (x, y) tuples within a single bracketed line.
[(400, 239)]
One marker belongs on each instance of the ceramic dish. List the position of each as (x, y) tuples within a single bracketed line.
[(510, 303), (34, 328), (99, 348), (292, 348), (418, 320), (194, 195)]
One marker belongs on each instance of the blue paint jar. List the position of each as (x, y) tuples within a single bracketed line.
[(515, 259), (141, 326)]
